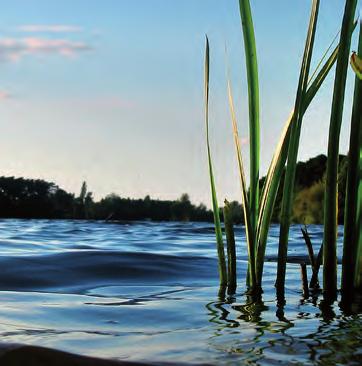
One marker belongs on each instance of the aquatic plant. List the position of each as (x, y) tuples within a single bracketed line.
[(351, 267), (215, 206), (257, 227), (293, 147), (253, 96), (251, 276), (330, 202), (356, 63), (230, 242), (258, 239)]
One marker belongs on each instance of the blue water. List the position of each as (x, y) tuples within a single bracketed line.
[(149, 291)]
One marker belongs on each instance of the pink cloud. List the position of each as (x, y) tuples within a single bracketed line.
[(4, 95), (12, 49), (53, 28)]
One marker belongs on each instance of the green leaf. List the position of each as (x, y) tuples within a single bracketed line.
[(253, 93), (330, 201), (244, 191), (288, 189), (215, 206)]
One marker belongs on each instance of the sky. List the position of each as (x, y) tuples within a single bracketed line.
[(111, 91)]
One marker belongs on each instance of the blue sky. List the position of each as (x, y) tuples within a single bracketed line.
[(111, 91)]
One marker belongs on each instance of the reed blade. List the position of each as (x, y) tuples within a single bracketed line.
[(330, 205), (230, 240), (253, 94), (215, 206), (323, 58), (244, 191), (358, 270), (352, 203), (314, 282), (308, 243), (288, 189), (273, 178), (269, 196)]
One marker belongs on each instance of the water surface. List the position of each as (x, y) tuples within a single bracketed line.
[(148, 291)]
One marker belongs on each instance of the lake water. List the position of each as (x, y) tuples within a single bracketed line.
[(148, 291)]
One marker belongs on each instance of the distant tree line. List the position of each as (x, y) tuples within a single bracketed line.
[(36, 198), (309, 191), (29, 198)]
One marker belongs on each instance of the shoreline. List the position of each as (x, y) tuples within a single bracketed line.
[(22, 354)]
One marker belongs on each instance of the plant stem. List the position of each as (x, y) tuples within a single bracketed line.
[(351, 229), (275, 171), (314, 282), (303, 272), (230, 240), (288, 189), (250, 238), (253, 92), (308, 243), (215, 206), (330, 206)]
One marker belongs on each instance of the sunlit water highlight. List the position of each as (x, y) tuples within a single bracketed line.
[(148, 291)]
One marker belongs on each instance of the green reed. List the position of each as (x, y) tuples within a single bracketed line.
[(253, 93), (288, 189), (215, 206), (352, 226), (257, 227), (230, 241), (330, 207)]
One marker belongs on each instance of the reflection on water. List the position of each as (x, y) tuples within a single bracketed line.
[(253, 332), (148, 291)]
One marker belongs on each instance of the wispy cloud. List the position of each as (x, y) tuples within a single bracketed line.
[(12, 49), (4, 95), (49, 28)]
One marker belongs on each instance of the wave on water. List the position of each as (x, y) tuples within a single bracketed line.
[(72, 256), (87, 269)]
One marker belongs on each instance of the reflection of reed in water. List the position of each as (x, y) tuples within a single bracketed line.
[(219, 314), (254, 330), (340, 344), (242, 329)]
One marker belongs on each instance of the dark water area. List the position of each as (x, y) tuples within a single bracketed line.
[(149, 292)]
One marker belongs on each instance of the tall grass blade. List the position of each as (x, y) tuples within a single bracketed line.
[(253, 93), (322, 58), (272, 182), (244, 191), (314, 281), (230, 240), (314, 261), (269, 196), (304, 276), (215, 206), (358, 270), (314, 85), (309, 245), (288, 189), (284, 139), (330, 206), (351, 229)]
